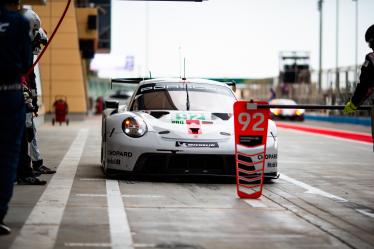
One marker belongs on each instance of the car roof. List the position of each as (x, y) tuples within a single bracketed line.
[(179, 80), (283, 101)]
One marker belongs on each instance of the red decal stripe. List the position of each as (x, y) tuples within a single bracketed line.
[(334, 133)]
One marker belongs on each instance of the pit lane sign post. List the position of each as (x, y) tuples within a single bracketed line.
[(251, 126)]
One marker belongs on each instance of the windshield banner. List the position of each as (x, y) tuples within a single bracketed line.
[(251, 127)]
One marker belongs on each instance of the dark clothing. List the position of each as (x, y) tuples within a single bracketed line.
[(15, 46), (24, 164), (366, 86), (12, 123), (15, 60)]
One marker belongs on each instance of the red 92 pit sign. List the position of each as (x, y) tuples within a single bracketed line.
[(251, 127)]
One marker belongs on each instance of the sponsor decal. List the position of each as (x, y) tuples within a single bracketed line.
[(4, 26), (177, 122), (250, 140), (114, 161), (196, 144), (190, 116), (119, 153), (268, 156), (272, 165), (182, 87), (193, 126)]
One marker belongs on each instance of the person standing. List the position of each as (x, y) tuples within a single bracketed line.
[(27, 175), (365, 87), (15, 54)]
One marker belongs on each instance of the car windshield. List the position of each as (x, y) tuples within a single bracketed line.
[(283, 102), (184, 97)]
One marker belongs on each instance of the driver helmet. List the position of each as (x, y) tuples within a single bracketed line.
[(369, 36), (37, 33), (34, 21)]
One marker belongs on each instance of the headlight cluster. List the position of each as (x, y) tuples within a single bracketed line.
[(299, 112), (134, 127)]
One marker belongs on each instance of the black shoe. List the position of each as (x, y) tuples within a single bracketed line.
[(4, 229), (44, 170), (36, 173), (30, 180)]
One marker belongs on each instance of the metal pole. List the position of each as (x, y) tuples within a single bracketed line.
[(147, 38), (356, 43), (320, 8), (337, 76)]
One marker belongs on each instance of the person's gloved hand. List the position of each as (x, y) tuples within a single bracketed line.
[(349, 107)]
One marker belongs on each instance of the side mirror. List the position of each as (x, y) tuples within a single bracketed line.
[(112, 104)]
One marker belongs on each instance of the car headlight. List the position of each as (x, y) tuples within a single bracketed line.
[(276, 111), (299, 112), (134, 127)]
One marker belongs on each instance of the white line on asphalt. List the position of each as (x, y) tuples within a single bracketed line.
[(41, 227), (126, 196), (255, 203), (120, 233), (311, 190), (284, 161), (91, 195), (142, 196), (365, 212), (145, 245), (106, 245), (92, 179), (87, 244)]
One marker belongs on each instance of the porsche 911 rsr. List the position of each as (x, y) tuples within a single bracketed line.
[(175, 126), (289, 114)]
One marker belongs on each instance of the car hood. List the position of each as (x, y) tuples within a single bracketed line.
[(190, 124)]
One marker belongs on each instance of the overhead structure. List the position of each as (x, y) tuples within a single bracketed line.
[(294, 67)]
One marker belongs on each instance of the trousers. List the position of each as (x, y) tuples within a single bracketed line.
[(12, 123)]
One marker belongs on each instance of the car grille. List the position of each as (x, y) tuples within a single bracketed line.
[(162, 163)]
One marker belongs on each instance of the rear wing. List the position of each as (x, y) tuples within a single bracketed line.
[(126, 81), (232, 84)]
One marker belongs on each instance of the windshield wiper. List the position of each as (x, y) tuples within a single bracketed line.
[(187, 99)]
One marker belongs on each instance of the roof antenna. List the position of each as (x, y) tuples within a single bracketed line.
[(184, 68), (150, 74), (180, 62)]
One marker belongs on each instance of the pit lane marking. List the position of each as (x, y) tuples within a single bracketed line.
[(88, 245), (120, 233), (366, 212), (310, 189), (255, 203), (74, 244), (92, 179), (125, 196), (330, 163), (41, 227)]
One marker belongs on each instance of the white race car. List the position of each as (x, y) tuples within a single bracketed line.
[(176, 127)]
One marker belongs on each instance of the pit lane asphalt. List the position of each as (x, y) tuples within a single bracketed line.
[(324, 199)]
